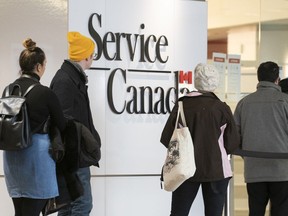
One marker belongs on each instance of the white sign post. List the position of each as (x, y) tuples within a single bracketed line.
[(233, 78)]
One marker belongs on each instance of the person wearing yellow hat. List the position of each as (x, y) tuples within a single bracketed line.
[(70, 85), (81, 47)]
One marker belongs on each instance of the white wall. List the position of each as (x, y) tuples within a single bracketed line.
[(256, 46), (229, 13), (274, 46)]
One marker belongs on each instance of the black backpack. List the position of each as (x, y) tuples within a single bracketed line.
[(15, 132)]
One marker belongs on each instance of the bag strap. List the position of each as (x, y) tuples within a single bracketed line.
[(8, 93), (29, 89), (181, 112), (177, 118)]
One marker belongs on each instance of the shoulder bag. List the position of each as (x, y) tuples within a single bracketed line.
[(180, 163)]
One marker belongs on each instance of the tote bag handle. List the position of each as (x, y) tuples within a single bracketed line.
[(182, 115)]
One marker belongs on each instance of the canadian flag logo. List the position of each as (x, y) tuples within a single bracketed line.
[(185, 77)]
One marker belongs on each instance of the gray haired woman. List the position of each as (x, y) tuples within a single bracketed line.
[(215, 136)]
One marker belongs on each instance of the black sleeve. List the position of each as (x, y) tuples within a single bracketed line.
[(56, 113), (231, 133), (64, 91)]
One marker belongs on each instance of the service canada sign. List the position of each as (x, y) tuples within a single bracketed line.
[(141, 48), (151, 49)]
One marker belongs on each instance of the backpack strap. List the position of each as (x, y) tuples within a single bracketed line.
[(7, 91), (29, 89)]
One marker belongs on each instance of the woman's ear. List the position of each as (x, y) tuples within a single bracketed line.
[(38, 67)]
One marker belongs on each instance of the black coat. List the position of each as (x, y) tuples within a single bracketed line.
[(69, 84), (81, 147), (81, 150)]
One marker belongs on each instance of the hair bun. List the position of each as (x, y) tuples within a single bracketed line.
[(29, 44)]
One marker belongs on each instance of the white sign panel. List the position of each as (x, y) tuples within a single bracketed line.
[(141, 46), (219, 61), (233, 78)]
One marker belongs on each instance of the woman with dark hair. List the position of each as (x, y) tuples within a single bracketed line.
[(30, 174)]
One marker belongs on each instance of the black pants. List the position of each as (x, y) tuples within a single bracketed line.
[(261, 192), (28, 207), (214, 194)]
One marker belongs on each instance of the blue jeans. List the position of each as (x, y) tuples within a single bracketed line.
[(83, 205), (214, 194)]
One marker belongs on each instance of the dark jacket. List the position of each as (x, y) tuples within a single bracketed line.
[(69, 84), (81, 147), (213, 131), (81, 150)]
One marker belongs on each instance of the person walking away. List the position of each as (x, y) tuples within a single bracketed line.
[(70, 85), (262, 118), (215, 136), (30, 174)]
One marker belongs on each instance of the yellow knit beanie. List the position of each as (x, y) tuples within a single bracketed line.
[(80, 47)]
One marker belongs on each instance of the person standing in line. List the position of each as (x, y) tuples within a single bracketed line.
[(214, 135), (70, 85), (30, 174), (262, 118)]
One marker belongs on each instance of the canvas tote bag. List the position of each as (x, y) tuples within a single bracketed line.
[(180, 162)]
